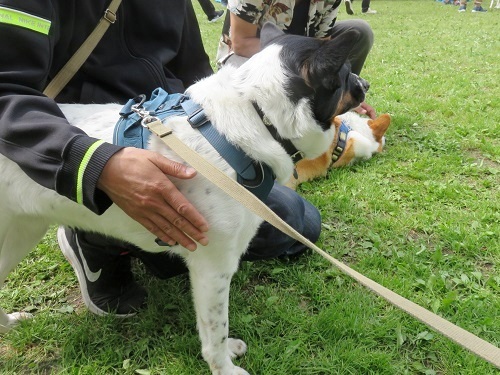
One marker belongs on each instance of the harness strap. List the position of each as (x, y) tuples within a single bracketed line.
[(257, 177), (76, 61)]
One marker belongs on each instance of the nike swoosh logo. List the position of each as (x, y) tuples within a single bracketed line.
[(91, 276)]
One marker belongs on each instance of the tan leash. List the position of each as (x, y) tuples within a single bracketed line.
[(76, 61), (459, 335)]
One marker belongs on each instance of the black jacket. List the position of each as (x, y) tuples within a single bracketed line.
[(153, 43)]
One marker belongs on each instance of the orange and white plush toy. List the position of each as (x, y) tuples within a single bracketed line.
[(356, 138)]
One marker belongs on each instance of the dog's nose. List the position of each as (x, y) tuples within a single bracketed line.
[(364, 84)]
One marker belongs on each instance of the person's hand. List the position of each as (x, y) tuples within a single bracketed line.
[(367, 110), (137, 181)]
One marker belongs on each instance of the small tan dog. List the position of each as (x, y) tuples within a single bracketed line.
[(356, 138)]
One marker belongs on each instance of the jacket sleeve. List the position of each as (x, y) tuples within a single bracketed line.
[(33, 131)]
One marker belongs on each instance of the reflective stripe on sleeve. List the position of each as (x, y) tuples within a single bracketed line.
[(81, 170), (28, 21)]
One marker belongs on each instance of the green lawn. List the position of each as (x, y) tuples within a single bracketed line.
[(422, 219)]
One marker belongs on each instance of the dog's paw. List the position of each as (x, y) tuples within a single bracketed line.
[(239, 371), (283, 170), (13, 320), (236, 348)]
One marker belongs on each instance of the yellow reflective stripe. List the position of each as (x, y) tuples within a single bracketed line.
[(21, 19), (81, 170)]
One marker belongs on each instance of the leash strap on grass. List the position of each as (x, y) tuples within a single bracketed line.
[(76, 61), (459, 335)]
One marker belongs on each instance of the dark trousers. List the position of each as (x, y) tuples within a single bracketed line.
[(365, 4), (208, 8), (362, 47)]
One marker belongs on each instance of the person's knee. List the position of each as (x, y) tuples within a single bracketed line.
[(366, 33), (312, 223), (362, 46), (296, 212)]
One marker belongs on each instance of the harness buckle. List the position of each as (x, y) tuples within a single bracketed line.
[(297, 156), (109, 16), (197, 118), (145, 115)]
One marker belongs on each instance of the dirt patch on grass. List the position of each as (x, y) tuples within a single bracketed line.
[(74, 298), (487, 268), (483, 160), (40, 360), (6, 351)]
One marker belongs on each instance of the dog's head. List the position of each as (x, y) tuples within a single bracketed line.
[(318, 69), (302, 84), (364, 138), (356, 138)]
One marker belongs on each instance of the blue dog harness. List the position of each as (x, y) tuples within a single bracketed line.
[(256, 177), (344, 129)]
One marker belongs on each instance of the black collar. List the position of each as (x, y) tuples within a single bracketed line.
[(295, 154)]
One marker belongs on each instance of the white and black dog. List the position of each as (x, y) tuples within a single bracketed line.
[(299, 83)]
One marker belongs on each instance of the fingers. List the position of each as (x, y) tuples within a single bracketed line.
[(161, 219), (183, 218), (171, 233), (370, 112), (367, 110), (173, 168), (360, 110), (138, 182), (175, 198)]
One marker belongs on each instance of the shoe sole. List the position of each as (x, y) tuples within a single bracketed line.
[(216, 18), (80, 275)]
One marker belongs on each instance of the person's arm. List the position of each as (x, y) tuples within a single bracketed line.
[(244, 39), (36, 136), (33, 131)]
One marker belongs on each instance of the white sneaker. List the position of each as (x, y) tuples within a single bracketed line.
[(370, 11)]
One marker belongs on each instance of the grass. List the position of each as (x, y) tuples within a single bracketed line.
[(421, 219)]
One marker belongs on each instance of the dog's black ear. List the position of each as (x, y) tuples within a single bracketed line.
[(268, 33), (324, 64)]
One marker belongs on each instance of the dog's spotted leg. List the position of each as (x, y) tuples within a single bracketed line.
[(16, 240), (236, 347), (210, 280)]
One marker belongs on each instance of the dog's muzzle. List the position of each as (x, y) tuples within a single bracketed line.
[(364, 84)]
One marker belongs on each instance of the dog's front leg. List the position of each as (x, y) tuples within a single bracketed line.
[(17, 237), (210, 280)]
